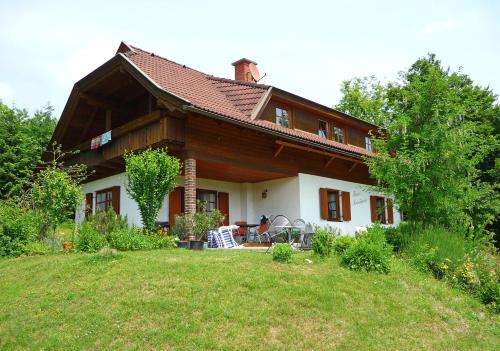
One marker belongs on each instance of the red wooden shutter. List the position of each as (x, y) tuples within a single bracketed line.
[(373, 208), (224, 206), (89, 204), (346, 206), (323, 203), (174, 205), (115, 199), (390, 213)]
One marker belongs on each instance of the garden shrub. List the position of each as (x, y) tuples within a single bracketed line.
[(130, 239), (164, 241), (34, 248), (394, 237), (89, 239), (369, 252), (342, 243), (479, 276), (282, 253), (322, 242), (19, 226), (106, 222), (469, 264)]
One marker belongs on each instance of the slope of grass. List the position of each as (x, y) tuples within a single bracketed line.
[(230, 300)]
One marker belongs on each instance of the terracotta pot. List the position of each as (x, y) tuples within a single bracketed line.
[(67, 246)]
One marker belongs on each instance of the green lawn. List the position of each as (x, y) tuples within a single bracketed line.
[(230, 300)]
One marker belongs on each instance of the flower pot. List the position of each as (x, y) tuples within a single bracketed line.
[(183, 244), (196, 245), (67, 246)]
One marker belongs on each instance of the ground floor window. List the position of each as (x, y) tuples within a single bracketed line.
[(379, 209), (333, 205), (208, 197), (108, 198), (104, 200)]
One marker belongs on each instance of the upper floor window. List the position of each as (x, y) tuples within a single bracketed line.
[(368, 144), (323, 129), (338, 134), (282, 117)]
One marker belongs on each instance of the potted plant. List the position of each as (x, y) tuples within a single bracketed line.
[(180, 229), (201, 222)]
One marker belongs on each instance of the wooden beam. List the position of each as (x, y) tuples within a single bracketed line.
[(310, 149), (108, 120), (278, 150), (103, 102), (85, 130), (329, 161), (353, 166)]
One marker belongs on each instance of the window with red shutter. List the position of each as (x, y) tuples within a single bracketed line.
[(346, 206), (89, 204)]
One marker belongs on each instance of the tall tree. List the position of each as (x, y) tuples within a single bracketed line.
[(22, 141), (442, 132), (364, 98)]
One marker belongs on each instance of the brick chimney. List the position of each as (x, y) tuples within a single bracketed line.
[(245, 70)]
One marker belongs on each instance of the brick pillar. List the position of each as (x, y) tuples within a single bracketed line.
[(190, 188)]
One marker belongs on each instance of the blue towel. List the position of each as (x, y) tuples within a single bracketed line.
[(106, 137)]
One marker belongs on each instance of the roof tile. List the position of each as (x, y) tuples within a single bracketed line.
[(231, 98)]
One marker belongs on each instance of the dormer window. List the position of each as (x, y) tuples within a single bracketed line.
[(323, 129), (368, 144), (338, 134), (282, 117)]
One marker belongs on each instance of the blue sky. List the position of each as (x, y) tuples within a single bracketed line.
[(306, 47)]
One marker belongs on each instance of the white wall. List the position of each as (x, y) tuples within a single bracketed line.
[(294, 197), (282, 198), (128, 206), (360, 202)]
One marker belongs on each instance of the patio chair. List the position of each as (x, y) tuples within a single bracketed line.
[(276, 231), (214, 240), (261, 233), (306, 232), (226, 237)]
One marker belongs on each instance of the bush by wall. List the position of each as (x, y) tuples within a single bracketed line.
[(322, 243), (109, 229), (369, 252), (342, 243), (89, 239)]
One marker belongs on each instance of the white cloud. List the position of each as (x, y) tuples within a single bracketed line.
[(6, 92), (440, 26)]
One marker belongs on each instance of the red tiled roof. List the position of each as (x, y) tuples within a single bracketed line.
[(227, 97)]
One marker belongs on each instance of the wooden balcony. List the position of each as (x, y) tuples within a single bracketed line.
[(154, 129)]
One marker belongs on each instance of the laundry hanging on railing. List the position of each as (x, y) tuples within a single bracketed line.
[(106, 137), (100, 140)]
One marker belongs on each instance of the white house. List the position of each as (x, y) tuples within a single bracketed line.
[(248, 149)]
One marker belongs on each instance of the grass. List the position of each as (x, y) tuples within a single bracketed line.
[(230, 300)]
